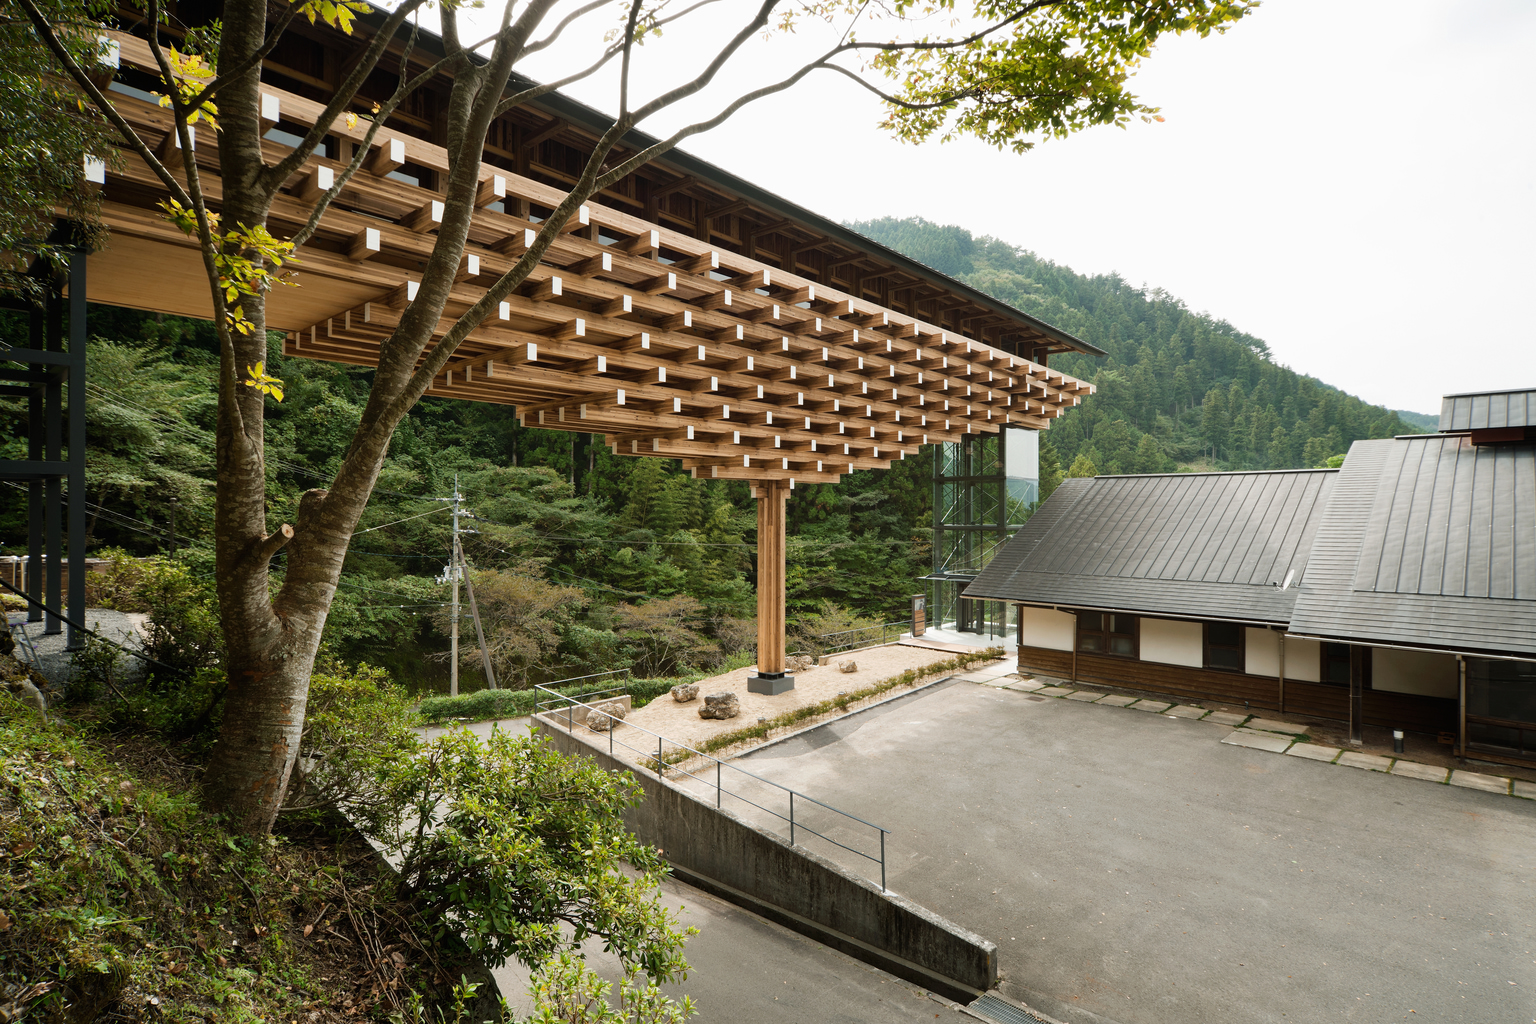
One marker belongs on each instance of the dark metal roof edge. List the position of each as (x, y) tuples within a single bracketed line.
[(1499, 391), (593, 119), (1498, 654), (1227, 472)]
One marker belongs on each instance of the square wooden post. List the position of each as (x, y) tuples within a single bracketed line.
[(771, 677)]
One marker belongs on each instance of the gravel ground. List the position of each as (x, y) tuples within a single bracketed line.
[(681, 722), (47, 654)]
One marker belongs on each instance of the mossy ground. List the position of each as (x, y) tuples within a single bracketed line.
[(121, 899)]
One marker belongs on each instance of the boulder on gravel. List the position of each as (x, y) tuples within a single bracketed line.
[(720, 705), (847, 666), (602, 717), (685, 692)]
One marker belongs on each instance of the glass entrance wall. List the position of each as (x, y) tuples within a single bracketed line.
[(984, 488)]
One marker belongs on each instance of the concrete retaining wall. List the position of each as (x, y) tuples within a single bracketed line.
[(722, 854)]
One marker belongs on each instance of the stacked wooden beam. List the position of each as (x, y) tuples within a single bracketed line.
[(629, 329)]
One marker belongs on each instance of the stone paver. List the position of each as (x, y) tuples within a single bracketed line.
[(1258, 740), (1054, 691), (1270, 725), (1370, 762), (1023, 685), (1117, 700), (1314, 751), (1486, 783), (1226, 718), (1414, 770), (1186, 711), (1157, 707), (1525, 789), (1084, 695)]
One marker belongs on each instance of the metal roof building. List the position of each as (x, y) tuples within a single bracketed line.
[(1398, 591), (1207, 545), (1429, 541)]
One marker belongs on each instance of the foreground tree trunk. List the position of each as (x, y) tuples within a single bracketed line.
[(1078, 62)]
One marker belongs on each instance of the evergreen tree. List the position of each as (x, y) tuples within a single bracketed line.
[(1082, 466)]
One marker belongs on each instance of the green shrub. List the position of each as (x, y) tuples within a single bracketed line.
[(483, 705), (357, 736), (527, 855)]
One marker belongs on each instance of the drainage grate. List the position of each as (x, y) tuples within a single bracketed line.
[(993, 1008)]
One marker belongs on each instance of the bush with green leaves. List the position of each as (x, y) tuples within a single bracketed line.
[(358, 736), (524, 853)]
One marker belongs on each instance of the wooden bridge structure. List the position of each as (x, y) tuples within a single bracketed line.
[(686, 315)]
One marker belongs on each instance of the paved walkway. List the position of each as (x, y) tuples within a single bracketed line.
[(1134, 868), (1257, 732)]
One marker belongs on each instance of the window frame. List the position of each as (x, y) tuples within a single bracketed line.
[(1242, 648), (1322, 667), (1104, 635)]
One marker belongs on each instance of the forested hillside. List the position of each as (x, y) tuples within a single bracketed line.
[(585, 561), (1177, 390)]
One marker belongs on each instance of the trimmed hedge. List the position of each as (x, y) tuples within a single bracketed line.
[(483, 705), (908, 678)]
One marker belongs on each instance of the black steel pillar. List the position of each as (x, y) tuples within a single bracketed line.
[(77, 326), (54, 429), (35, 510)]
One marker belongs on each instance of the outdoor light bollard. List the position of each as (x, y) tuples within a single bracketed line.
[(1397, 741)]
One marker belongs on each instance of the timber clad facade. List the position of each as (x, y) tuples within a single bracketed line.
[(1398, 591)]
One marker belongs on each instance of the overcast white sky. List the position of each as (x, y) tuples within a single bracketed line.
[(1353, 181)]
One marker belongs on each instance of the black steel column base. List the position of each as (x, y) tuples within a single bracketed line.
[(771, 683)]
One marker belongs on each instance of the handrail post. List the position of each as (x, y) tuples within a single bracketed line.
[(882, 860), (717, 784), (611, 724), (658, 758), (791, 817)]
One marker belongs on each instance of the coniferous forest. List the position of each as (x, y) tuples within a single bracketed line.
[(584, 561)]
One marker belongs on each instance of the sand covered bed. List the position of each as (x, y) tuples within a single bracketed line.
[(681, 722)]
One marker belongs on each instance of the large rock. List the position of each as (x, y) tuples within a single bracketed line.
[(685, 692), (720, 705), (799, 663), (602, 717), (847, 666)]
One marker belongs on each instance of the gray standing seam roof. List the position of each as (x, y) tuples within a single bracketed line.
[(1210, 545), (1488, 410), (1428, 541)]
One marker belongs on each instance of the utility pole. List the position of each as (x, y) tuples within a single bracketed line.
[(456, 573), (454, 569)]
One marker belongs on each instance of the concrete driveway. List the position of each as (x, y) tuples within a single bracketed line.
[(1133, 868)]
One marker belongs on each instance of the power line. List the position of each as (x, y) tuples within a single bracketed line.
[(399, 521)]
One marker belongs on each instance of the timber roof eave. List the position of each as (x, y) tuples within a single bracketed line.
[(590, 119)]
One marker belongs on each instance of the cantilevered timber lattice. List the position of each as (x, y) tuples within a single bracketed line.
[(667, 346)]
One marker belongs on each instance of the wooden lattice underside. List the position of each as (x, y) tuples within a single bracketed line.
[(631, 330)]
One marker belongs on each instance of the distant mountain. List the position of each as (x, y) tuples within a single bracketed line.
[(1178, 390), (1427, 423)]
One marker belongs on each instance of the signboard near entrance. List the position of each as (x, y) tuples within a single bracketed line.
[(919, 614)]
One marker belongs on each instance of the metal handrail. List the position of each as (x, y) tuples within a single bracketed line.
[(884, 628), (593, 675), (558, 702)]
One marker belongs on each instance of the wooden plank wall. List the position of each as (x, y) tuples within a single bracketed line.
[(1389, 710)]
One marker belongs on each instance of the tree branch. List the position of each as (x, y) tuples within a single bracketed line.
[(554, 34), (262, 551), (245, 64), (273, 177), (131, 137)]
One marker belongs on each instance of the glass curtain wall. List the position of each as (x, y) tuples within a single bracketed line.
[(984, 488)]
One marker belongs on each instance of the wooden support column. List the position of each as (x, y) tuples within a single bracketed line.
[(1358, 667), (771, 677)]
